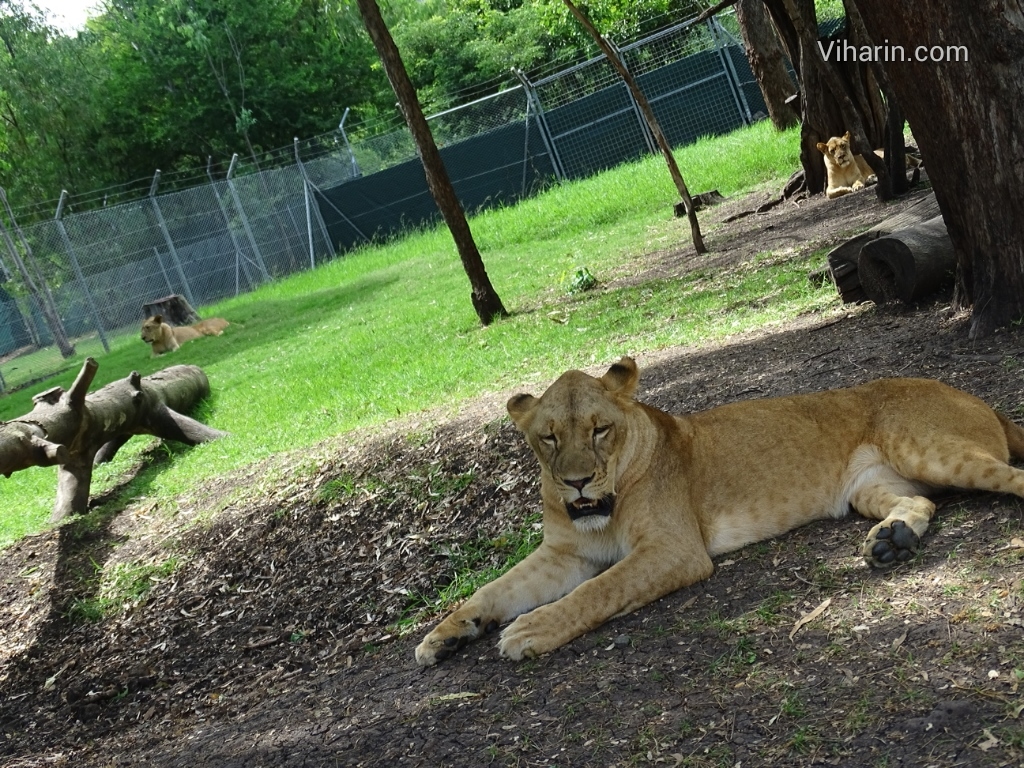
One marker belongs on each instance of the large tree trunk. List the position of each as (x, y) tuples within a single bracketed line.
[(75, 431), (835, 96), (485, 299), (966, 117), (767, 61)]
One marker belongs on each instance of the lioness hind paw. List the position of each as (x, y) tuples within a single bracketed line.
[(891, 544)]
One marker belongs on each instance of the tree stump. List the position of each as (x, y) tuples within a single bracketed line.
[(75, 431), (909, 264), (175, 309)]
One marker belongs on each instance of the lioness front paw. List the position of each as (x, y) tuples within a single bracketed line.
[(448, 637), (531, 635), (890, 543)]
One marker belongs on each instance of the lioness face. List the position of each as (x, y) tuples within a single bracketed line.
[(151, 329), (577, 430), (838, 148)]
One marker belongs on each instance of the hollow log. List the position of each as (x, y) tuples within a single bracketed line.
[(75, 430), (844, 259), (908, 264)]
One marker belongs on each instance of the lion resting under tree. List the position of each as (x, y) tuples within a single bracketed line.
[(637, 501), (164, 337), (846, 171)]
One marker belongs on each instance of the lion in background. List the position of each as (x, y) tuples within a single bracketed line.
[(847, 172), (637, 501), (164, 337)]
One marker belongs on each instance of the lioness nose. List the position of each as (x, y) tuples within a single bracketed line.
[(579, 485)]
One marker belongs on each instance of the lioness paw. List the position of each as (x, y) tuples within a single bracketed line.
[(449, 636), (890, 543), (531, 635)]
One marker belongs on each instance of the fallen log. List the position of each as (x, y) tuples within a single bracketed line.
[(75, 431), (844, 259), (908, 264)]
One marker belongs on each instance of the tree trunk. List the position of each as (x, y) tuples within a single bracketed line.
[(76, 431), (966, 117), (652, 122), (835, 95), (37, 288), (485, 299), (767, 61)]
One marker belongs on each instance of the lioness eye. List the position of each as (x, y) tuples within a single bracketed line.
[(600, 431), (550, 440)]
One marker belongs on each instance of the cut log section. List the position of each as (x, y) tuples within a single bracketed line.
[(909, 264), (74, 430), (844, 259)]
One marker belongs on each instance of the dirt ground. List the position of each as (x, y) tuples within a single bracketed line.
[(269, 635)]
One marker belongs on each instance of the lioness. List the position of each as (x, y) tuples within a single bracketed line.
[(637, 501), (166, 338), (847, 172)]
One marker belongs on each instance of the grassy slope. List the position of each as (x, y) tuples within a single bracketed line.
[(389, 329)]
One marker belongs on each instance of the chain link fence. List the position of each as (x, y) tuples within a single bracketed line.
[(76, 285)]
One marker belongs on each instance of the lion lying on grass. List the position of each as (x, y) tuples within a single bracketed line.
[(638, 501), (166, 338)]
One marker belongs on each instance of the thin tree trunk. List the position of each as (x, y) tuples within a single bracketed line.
[(37, 288), (767, 61), (485, 299), (652, 123), (965, 112)]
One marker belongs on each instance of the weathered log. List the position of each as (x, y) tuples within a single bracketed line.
[(75, 431), (908, 264), (844, 259)]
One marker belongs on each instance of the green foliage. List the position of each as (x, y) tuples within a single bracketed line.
[(170, 83), (581, 280)]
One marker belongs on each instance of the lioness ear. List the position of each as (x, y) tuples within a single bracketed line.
[(846, 135), (519, 407), (622, 377), (158, 318), (822, 147)]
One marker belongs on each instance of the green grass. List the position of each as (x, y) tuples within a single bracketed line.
[(390, 330)]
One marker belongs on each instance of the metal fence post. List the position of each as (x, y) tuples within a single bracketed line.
[(78, 270), (314, 212), (730, 72), (240, 259), (245, 219), (356, 173), (542, 124), (305, 195), (645, 129), (167, 238)]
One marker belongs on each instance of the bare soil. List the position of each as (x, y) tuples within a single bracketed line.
[(269, 635)]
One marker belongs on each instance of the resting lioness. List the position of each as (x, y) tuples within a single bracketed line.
[(846, 171), (638, 501), (166, 338)]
